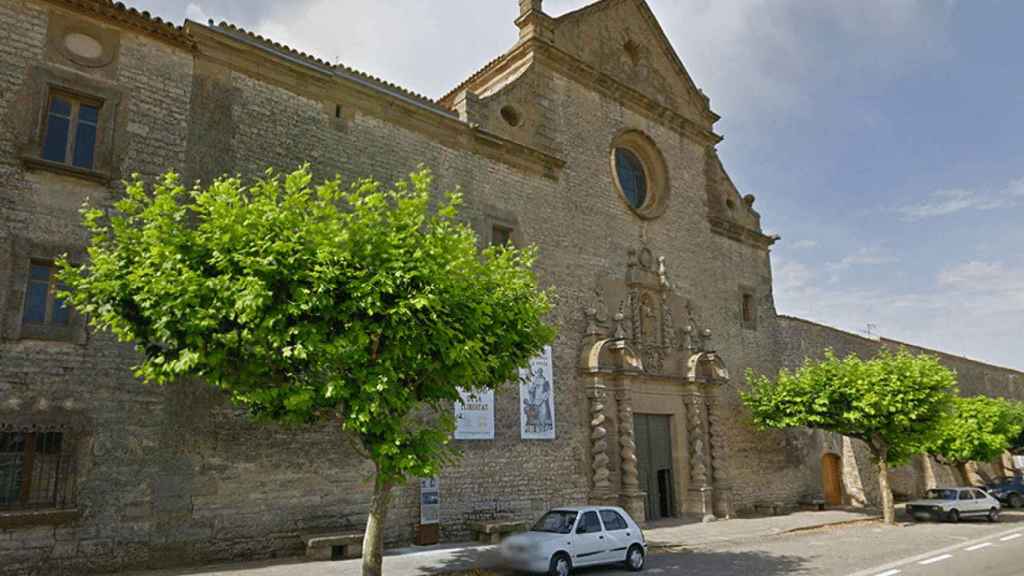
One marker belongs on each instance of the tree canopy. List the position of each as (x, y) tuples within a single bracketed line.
[(893, 402), (979, 428), (307, 302)]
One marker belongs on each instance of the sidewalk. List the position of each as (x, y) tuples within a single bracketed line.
[(456, 557)]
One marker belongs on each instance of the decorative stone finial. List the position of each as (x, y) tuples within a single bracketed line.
[(533, 22), (620, 334)]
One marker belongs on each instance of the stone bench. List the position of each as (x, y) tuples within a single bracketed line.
[(493, 531), (333, 545), (772, 508)]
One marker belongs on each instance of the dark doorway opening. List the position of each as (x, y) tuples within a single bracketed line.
[(653, 435)]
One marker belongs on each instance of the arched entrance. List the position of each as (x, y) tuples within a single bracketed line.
[(831, 479)]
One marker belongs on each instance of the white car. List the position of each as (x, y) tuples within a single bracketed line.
[(953, 504), (567, 538)]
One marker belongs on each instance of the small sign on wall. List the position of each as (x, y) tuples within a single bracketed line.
[(1018, 462), (474, 415), (537, 398), (430, 501)]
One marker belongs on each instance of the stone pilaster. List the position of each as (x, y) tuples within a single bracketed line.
[(719, 464), (701, 493)]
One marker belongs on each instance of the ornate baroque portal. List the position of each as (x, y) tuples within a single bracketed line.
[(646, 351)]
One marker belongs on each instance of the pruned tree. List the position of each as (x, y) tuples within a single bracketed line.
[(893, 403), (979, 429), (304, 303)]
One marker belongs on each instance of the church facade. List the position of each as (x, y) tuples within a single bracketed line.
[(587, 138)]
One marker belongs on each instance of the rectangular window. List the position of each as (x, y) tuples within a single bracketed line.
[(36, 470), (42, 305), (70, 133), (500, 235), (748, 308)]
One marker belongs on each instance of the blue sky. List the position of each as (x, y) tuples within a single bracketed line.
[(883, 139)]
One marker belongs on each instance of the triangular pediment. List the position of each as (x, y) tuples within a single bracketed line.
[(623, 39)]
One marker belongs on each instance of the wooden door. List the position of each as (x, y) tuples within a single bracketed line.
[(831, 479)]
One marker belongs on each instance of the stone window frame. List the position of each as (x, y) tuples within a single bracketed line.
[(748, 294), (23, 252), (658, 190), (75, 442), (45, 81), (503, 218)]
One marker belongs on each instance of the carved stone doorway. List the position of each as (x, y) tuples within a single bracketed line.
[(831, 479), (654, 462)]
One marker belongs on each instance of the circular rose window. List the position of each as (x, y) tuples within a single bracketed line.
[(640, 174)]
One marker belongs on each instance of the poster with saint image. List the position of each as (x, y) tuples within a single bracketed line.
[(430, 501), (474, 415), (537, 398)]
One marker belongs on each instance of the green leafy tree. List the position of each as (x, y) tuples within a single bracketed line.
[(358, 304), (892, 403), (979, 429)]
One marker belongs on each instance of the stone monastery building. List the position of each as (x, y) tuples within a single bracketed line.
[(587, 138)]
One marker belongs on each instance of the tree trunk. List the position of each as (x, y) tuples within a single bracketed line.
[(373, 540), (965, 477), (888, 509)]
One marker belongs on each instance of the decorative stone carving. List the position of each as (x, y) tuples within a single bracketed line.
[(698, 459), (627, 447), (717, 444), (599, 444)]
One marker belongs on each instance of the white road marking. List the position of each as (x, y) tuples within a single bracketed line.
[(1011, 537), (951, 548), (889, 573), (936, 559), (978, 546)]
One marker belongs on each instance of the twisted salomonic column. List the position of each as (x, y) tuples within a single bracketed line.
[(599, 445), (698, 461), (627, 447), (717, 441)]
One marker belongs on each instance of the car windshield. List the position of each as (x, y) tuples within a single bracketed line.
[(940, 495), (556, 521)]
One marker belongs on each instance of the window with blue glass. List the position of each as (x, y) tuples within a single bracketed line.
[(71, 126), (632, 178), (42, 305)]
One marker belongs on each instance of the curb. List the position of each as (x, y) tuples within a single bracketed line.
[(666, 547)]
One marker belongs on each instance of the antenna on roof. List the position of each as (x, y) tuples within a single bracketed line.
[(871, 331)]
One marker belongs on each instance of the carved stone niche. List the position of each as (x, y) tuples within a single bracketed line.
[(637, 322)]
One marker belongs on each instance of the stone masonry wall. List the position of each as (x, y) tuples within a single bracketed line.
[(804, 339)]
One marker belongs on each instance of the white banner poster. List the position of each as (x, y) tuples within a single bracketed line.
[(474, 415), (537, 398), (1018, 462), (430, 501)]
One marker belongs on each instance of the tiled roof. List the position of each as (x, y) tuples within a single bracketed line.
[(140, 20), (327, 67), (444, 100)]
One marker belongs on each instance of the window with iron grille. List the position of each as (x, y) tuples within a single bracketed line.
[(37, 470)]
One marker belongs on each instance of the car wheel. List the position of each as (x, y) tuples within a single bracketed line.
[(953, 516), (561, 565), (1016, 501), (993, 515), (635, 558)]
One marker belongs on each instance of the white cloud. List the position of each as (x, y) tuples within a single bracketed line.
[(195, 13), (804, 244), (945, 202), (973, 308), (868, 256)]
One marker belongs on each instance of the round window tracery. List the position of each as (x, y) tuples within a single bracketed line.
[(639, 173), (632, 177)]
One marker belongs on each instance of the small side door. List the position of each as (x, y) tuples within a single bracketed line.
[(590, 546), (618, 534)]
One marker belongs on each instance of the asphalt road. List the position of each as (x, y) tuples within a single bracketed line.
[(920, 549)]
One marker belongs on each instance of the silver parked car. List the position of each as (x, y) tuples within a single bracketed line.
[(953, 504), (567, 538)]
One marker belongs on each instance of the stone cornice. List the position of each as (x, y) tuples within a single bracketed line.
[(322, 82), (734, 231), (571, 67)]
